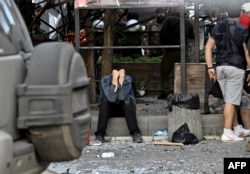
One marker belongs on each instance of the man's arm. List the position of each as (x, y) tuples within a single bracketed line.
[(209, 58), (146, 38), (247, 56), (109, 89)]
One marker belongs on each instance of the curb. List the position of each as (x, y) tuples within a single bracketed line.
[(212, 125)]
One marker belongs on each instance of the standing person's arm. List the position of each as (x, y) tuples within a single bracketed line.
[(247, 56), (147, 36), (245, 93), (209, 58)]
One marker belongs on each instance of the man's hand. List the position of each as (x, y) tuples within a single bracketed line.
[(248, 80), (212, 74), (147, 52), (115, 76)]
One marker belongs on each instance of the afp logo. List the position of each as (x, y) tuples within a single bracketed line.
[(236, 165)]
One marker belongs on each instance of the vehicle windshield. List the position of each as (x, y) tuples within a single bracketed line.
[(13, 36)]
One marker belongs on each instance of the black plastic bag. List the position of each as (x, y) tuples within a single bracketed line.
[(216, 90), (188, 101), (183, 135)]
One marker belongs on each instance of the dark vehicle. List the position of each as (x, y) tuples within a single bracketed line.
[(44, 99)]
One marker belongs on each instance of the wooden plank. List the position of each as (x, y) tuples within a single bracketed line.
[(197, 81), (153, 87), (192, 68), (193, 79), (193, 89), (167, 143)]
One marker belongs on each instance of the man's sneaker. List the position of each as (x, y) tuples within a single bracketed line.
[(230, 138), (137, 137), (242, 132), (100, 138)]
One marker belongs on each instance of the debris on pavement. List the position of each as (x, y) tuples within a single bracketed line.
[(108, 155)]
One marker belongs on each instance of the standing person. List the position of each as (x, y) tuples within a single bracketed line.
[(244, 19), (170, 35), (132, 36), (245, 14), (230, 39), (153, 28), (38, 34), (245, 104), (120, 23), (116, 98)]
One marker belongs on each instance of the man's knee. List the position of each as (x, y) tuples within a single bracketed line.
[(129, 101), (103, 102)]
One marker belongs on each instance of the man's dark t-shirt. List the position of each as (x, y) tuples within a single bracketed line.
[(229, 37), (170, 31)]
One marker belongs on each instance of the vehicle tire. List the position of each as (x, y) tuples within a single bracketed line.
[(54, 102)]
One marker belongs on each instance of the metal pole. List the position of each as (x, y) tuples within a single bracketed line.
[(196, 29), (77, 29), (182, 47)]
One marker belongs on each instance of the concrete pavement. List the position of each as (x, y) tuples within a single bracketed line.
[(148, 158)]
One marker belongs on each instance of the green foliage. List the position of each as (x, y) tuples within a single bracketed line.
[(203, 59), (118, 59), (141, 82)]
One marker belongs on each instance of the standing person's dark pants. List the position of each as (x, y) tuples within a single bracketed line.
[(170, 57)]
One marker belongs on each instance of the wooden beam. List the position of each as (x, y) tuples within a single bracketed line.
[(167, 143)]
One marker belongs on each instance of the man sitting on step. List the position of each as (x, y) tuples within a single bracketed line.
[(117, 99)]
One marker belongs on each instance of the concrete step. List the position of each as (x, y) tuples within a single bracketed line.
[(152, 116), (212, 124)]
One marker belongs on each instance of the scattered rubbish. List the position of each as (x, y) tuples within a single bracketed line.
[(161, 133), (141, 92), (183, 135), (108, 155), (108, 139), (211, 137), (160, 138), (72, 171), (95, 143)]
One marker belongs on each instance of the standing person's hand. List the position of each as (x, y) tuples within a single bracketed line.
[(212, 74), (147, 52), (248, 79)]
